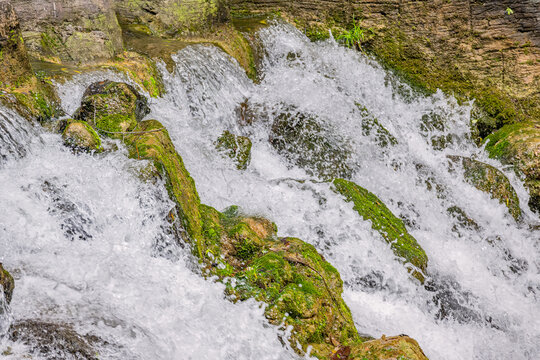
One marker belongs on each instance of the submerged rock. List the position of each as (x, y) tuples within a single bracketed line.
[(7, 283), (303, 139), (490, 180), (80, 136), (54, 341), (392, 229), (235, 147), (112, 107), (519, 144)]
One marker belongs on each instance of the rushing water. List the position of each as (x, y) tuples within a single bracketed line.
[(85, 238)]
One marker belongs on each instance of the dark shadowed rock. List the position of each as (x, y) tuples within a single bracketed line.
[(7, 283)]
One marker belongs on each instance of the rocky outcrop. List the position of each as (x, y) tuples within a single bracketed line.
[(519, 144), (112, 107), (392, 229), (237, 148), (70, 31), (7, 283), (490, 180)]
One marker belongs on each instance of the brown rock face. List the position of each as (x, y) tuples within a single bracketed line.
[(13, 58), (73, 31)]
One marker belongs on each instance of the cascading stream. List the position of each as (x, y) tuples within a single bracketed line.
[(84, 236)]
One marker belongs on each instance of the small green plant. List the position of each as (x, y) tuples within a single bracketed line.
[(355, 37), (509, 11)]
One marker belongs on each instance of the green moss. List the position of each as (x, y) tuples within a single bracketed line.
[(6, 283), (392, 229), (235, 147), (81, 136), (498, 145)]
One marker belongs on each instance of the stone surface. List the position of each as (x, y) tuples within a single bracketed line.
[(80, 136), (7, 283), (238, 148), (490, 180), (70, 31)]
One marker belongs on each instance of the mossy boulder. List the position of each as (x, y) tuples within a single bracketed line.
[(306, 141), (79, 135), (7, 283), (392, 229), (112, 107), (490, 180), (235, 147), (372, 127), (151, 141), (301, 288), (519, 144)]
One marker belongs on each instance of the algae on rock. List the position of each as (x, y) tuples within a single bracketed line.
[(112, 107), (6, 283), (392, 229), (236, 147), (488, 179), (80, 136)]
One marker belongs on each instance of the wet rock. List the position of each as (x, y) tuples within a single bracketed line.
[(54, 341), (7, 283), (372, 127), (305, 141), (235, 147), (390, 348), (519, 145), (171, 17), (490, 180), (70, 31), (81, 137), (392, 229), (112, 107)]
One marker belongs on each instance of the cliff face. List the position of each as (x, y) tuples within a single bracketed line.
[(486, 49)]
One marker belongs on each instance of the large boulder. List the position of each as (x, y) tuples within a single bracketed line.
[(112, 107), (70, 31), (519, 145), (6, 283), (490, 180), (391, 228)]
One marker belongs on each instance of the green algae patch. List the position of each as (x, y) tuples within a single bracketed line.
[(387, 348), (370, 207), (112, 107), (237, 148), (7, 283), (490, 180), (79, 135), (151, 141)]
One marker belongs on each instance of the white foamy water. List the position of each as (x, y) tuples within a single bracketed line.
[(79, 232)]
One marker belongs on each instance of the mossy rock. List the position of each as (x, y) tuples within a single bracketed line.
[(303, 139), (388, 348), (392, 229), (112, 107), (372, 127), (235, 147), (80, 136), (7, 283), (490, 180), (519, 144), (151, 141)]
